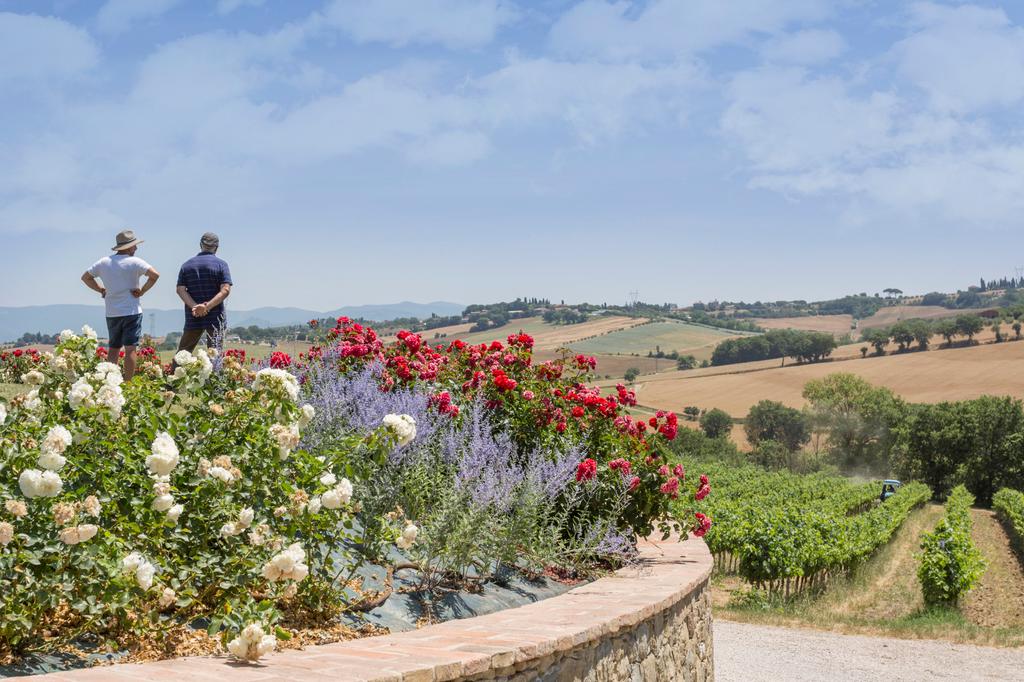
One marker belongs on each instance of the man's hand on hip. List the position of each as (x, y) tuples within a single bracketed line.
[(137, 293)]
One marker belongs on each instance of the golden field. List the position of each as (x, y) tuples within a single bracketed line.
[(931, 376)]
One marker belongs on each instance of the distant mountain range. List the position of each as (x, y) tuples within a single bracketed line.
[(51, 319)]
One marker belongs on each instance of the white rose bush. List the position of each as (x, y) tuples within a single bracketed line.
[(127, 508)]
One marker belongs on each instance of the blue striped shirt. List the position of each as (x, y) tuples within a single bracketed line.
[(202, 275)]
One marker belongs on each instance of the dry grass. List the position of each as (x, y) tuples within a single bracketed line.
[(894, 313), (551, 336), (998, 599), (933, 376), (835, 324)]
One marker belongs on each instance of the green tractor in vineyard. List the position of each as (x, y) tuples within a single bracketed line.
[(889, 488)]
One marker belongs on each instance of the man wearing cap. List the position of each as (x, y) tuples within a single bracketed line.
[(119, 276), (204, 281)]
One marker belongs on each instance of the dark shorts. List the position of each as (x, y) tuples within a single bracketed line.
[(124, 331)]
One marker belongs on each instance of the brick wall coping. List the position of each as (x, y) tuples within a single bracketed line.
[(668, 573)]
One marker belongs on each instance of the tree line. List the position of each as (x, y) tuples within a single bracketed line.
[(803, 346), (868, 429), (918, 333)]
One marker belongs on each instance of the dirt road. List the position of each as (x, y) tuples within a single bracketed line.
[(756, 653)]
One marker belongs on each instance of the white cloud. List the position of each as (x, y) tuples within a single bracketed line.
[(34, 48), (454, 148), (229, 6), (822, 136), (665, 29), (117, 16), (596, 101), (967, 58), (811, 46), (785, 120), (452, 23)]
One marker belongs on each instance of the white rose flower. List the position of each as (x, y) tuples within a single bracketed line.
[(287, 565), (252, 643), (131, 563), (77, 534), (104, 368), (111, 398), (3, 413), (33, 378), (308, 412), (32, 403), (245, 517), (221, 474), (403, 426), (328, 479), (67, 335), (57, 440), (183, 358), (6, 533), (167, 598), (35, 483), (113, 379), (229, 529), (410, 532), (88, 332), (163, 503), (144, 575), (270, 378), (165, 455), (344, 488), (287, 438), (80, 394), (174, 512), (51, 461), (314, 505)]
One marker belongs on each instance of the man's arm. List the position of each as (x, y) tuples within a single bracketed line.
[(201, 309), (185, 297), (151, 277), (90, 282)]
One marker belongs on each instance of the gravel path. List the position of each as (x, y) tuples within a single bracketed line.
[(751, 653)]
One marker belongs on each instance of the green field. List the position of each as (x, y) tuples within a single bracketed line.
[(534, 326), (669, 335)]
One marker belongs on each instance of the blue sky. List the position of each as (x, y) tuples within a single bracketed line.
[(367, 151)]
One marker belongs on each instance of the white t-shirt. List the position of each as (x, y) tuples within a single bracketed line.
[(120, 274)]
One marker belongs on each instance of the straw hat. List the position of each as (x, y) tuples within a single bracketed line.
[(126, 240)]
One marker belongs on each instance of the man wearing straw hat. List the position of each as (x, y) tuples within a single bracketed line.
[(119, 276)]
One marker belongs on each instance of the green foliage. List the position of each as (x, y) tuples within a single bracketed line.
[(857, 418), (1009, 507), (950, 564), (877, 337), (979, 443), (969, 325), (716, 423), (803, 346), (686, 362), (781, 526), (935, 298), (631, 374), (771, 420)]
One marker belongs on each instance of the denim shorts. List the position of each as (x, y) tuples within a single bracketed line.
[(124, 331)]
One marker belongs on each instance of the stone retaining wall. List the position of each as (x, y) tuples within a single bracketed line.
[(651, 622)]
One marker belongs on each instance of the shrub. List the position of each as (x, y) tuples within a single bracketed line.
[(771, 420), (950, 564), (1009, 507), (716, 423)]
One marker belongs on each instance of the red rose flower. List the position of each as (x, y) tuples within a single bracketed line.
[(586, 470), (702, 525)]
